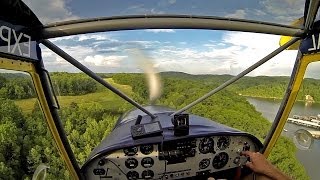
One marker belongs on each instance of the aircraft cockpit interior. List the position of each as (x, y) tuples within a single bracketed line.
[(159, 89)]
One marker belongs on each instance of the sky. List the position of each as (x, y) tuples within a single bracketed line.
[(190, 51)]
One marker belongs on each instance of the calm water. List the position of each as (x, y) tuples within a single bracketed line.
[(309, 158)]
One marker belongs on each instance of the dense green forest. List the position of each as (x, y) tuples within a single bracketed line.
[(17, 86), (25, 141), (68, 84)]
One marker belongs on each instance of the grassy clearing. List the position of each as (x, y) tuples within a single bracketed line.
[(104, 96), (124, 88)]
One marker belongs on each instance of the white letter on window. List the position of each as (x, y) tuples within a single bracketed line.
[(8, 37)]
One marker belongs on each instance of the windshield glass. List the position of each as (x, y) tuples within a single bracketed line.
[(274, 11), (190, 63)]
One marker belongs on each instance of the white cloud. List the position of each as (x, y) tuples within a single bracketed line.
[(172, 1), (101, 36), (275, 11), (50, 10), (248, 48), (240, 14), (231, 54), (82, 37), (283, 11), (258, 12), (142, 9), (234, 53), (280, 7), (62, 38), (105, 61), (160, 30)]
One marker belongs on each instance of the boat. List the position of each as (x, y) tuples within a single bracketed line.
[(307, 118)]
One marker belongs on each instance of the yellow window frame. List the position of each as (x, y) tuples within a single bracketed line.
[(304, 62), (28, 67)]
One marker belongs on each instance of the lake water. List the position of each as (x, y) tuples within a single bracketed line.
[(309, 158)]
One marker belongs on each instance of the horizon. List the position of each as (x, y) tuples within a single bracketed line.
[(2, 71)]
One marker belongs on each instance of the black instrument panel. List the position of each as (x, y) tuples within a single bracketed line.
[(178, 159)]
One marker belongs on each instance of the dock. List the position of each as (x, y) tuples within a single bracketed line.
[(309, 124)]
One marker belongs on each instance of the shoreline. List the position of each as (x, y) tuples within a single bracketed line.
[(274, 98)]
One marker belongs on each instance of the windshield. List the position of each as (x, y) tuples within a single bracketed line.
[(189, 64), (170, 68), (189, 71)]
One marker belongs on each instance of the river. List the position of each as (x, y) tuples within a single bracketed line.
[(309, 158)]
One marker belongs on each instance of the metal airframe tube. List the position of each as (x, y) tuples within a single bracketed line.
[(90, 73), (312, 12), (172, 21), (240, 75)]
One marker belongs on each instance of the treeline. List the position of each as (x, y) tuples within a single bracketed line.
[(225, 107), (71, 84), (16, 86), (260, 86), (20, 86), (275, 87)]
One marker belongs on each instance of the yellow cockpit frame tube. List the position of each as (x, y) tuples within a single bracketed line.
[(29, 67), (300, 72)]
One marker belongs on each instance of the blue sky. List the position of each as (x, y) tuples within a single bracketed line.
[(190, 51)]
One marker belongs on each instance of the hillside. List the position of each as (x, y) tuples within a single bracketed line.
[(259, 86)]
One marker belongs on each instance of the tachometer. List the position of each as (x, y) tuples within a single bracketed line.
[(204, 163), (132, 175), (131, 163), (130, 151), (147, 162), (146, 149), (223, 142), (206, 145), (147, 174), (220, 160)]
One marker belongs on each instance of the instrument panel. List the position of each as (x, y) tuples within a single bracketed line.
[(176, 159)]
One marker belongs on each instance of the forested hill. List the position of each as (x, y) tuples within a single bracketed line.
[(259, 86)]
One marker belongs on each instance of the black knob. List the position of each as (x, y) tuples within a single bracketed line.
[(101, 162)]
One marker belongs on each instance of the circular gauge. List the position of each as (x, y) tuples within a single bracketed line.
[(223, 142), (146, 149), (147, 174), (206, 145), (147, 162), (130, 151), (131, 163), (204, 163), (132, 175), (220, 160)]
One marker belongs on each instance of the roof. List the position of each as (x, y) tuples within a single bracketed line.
[(272, 11), (267, 16)]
